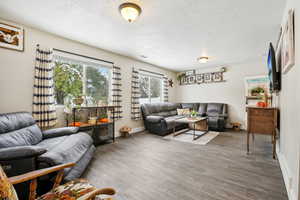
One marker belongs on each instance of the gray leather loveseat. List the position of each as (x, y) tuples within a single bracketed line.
[(25, 147), (159, 117)]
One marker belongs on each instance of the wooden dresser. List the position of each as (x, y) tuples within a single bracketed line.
[(262, 121)]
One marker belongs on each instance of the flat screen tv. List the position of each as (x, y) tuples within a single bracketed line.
[(274, 71)]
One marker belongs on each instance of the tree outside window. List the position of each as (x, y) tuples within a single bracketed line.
[(74, 80)]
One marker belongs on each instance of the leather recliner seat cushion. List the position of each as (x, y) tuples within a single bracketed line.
[(170, 121), (18, 130), (64, 149)]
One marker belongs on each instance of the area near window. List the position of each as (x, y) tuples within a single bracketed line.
[(151, 88), (75, 76)]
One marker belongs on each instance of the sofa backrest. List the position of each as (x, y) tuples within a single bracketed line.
[(159, 109), (216, 108), (191, 106), (206, 108), (18, 129), (202, 108)]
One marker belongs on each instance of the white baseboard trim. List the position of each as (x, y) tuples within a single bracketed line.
[(137, 130), (287, 177)]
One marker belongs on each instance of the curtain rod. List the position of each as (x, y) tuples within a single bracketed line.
[(151, 72), (75, 54)]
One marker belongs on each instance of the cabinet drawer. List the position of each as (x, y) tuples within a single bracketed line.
[(262, 120), (263, 127), (261, 113)]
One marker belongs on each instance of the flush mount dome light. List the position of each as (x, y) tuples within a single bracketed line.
[(203, 59), (130, 11)]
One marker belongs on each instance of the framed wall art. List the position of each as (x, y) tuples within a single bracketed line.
[(287, 44), (11, 36)]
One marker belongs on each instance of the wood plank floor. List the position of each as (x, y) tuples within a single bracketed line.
[(148, 167)]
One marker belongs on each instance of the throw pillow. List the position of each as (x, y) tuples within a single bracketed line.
[(7, 190), (184, 111)]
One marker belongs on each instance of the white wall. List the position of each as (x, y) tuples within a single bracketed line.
[(231, 92), (288, 151), (17, 70)]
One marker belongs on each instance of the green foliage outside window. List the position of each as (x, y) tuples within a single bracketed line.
[(67, 81), (97, 84), (70, 80)]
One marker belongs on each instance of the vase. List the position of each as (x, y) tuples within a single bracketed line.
[(78, 101)]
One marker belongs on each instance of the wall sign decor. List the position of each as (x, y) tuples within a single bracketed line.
[(193, 77), (11, 36)]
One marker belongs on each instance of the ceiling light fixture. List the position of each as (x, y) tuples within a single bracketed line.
[(203, 59), (130, 11)]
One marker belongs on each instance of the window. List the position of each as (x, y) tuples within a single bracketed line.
[(150, 89), (74, 78)]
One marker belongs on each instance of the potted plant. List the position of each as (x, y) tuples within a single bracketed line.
[(180, 76), (257, 91), (78, 100), (194, 114)]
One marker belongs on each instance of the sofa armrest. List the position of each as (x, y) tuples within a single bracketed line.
[(57, 132), (154, 119), (217, 115), (20, 152)]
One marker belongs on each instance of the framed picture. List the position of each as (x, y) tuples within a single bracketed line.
[(279, 56), (200, 78), (11, 36), (184, 80), (218, 76), (207, 77), (191, 79), (287, 44)]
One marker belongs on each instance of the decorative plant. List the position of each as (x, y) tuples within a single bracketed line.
[(194, 113), (180, 76), (257, 91), (79, 99)]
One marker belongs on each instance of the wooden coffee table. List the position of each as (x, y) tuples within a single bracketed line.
[(193, 121)]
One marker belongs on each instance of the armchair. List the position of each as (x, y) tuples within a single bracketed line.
[(77, 189), (25, 147)]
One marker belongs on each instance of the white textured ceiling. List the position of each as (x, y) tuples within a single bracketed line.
[(171, 33)]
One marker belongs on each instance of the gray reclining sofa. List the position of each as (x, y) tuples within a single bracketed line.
[(159, 117)]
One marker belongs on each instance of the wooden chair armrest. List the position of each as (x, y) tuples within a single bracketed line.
[(93, 194), (38, 173)]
